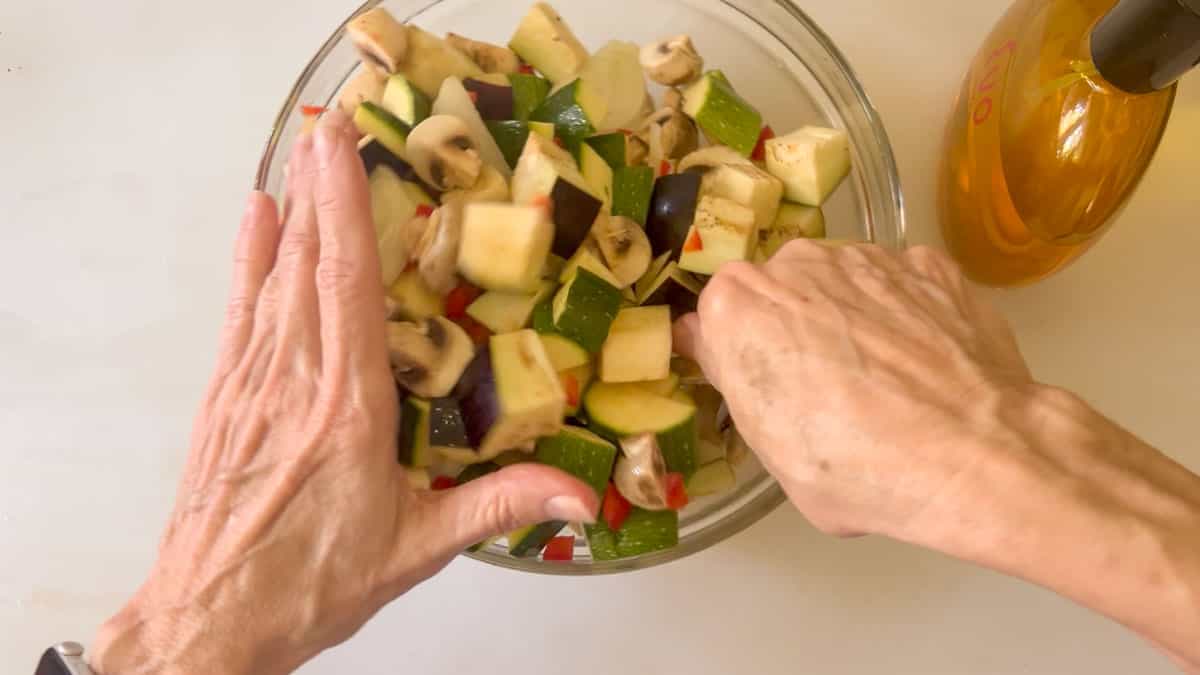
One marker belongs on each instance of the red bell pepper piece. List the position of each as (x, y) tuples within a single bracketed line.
[(526, 69), (694, 243), (570, 387), (615, 509), (474, 96), (760, 150), (442, 483), (677, 496), (460, 299), (559, 142), (560, 549), (664, 168), (424, 211), (478, 332), (312, 110)]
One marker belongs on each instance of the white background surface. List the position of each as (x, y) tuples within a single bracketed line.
[(129, 133)]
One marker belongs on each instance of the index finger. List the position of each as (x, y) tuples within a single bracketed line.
[(348, 281)]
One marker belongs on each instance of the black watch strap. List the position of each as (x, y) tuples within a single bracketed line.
[(65, 658)]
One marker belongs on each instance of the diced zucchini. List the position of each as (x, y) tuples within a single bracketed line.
[(504, 247), (748, 185), (564, 354), (386, 128), (675, 288), (547, 172), (415, 301), (543, 129), (409, 104), (543, 319), (643, 532), (431, 60), (414, 433), (811, 162), (529, 92), (598, 174), (649, 279), (528, 542), (508, 312), (712, 478), (632, 188), (794, 222), (722, 232), (575, 110), (724, 116), (620, 410), (510, 135), (667, 386), (585, 308), (638, 348), (575, 382), (589, 259), (678, 444), (611, 147), (545, 41), (580, 453)]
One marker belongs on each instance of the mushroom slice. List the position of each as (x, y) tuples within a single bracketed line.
[(673, 99), (429, 357), (367, 85), (380, 39), (670, 135), (443, 154), (491, 58), (641, 474), (624, 246), (673, 61), (437, 252)]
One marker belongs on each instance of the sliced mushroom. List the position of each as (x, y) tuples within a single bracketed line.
[(673, 61), (636, 151), (443, 154), (670, 135), (673, 99), (429, 357), (706, 159), (437, 252), (624, 246), (367, 85), (380, 39), (491, 187), (641, 474), (491, 58)]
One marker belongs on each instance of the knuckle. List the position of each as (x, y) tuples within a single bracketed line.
[(297, 245), (240, 309), (497, 514), (336, 274)]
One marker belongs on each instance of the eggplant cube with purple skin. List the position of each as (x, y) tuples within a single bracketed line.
[(723, 231), (510, 396)]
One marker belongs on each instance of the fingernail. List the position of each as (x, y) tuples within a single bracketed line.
[(570, 509)]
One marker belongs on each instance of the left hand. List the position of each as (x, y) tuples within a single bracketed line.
[(294, 523)]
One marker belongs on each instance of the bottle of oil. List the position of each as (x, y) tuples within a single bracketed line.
[(1060, 115)]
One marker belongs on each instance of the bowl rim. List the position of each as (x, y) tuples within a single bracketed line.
[(771, 494)]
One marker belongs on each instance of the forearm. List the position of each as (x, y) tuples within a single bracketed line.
[(1069, 501)]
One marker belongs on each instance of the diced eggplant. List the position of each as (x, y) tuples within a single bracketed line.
[(638, 347), (547, 43), (548, 171), (793, 222), (723, 232), (672, 212), (675, 288), (492, 101), (748, 185), (510, 395), (431, 60), (508, 312), (811, 162), (504, 247), (447, 432)]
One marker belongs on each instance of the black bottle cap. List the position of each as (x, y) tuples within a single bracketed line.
[(1146, 45)]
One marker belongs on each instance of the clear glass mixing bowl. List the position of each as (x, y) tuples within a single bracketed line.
[(777, 58)]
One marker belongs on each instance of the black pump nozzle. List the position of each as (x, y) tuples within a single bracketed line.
[(1146, 45)]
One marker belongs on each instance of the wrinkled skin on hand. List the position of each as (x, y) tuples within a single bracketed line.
[(857, 375), (294, 523)]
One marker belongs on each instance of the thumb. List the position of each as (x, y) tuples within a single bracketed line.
[(514, 497)]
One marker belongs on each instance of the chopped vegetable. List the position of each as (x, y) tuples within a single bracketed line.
[(811, 162), (760, 150), (442, 483), (615, 508), (724, 116), (560, 549), (677, 496)]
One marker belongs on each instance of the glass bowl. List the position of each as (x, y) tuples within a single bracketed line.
[(777, 58)]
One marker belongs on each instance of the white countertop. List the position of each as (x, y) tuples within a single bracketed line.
[(114, 271)]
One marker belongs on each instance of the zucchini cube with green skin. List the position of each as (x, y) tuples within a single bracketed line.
[(598, 174), (547, 172), (508, 312), (413, 438), (575, 110), (529, 91), (585, 309), (612, 147), (617, 411), (632, 187), (675, 288), (748, 185), (545, 41), (722, 232), (811, 162), (638, 348), (564, 354), (724, 116), (580, 453), (431, 60), (793, 222), (643, 532), (528, 542), (504, 247), (409, 104), (712, 478), (589, 259), (390, 131)]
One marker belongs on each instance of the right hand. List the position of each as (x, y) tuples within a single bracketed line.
[(866, 381)]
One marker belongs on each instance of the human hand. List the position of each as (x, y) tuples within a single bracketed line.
[(861, 377), (294, 523)]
